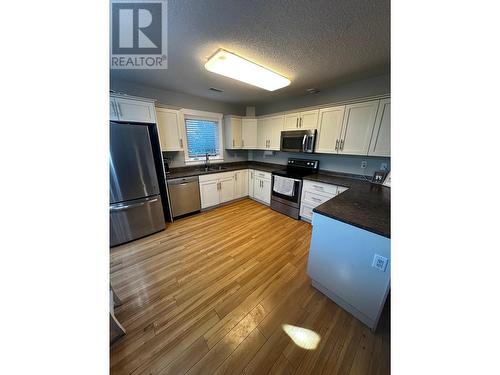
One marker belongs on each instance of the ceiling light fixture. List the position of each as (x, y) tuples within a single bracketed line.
[(233, 66)]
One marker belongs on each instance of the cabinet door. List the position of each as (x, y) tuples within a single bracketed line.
[(135, 110), (309, 119), (266, 191), (113, 114), (380, 144), (232, 132), (292, 121), (329, 129), (262, 126), (241, 183), (274, 132), (250, 182), (257, 188), (357, 128), (169, 129), (209, 193), (226, 189), (249, 133)]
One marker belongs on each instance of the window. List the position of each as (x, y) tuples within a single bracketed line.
[(203, 136)]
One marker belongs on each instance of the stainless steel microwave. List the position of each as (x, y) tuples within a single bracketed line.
[(298, 141)]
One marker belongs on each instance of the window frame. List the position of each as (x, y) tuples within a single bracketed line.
[(202, 115)]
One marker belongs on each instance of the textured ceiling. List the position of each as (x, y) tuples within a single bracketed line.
[(314, 43)]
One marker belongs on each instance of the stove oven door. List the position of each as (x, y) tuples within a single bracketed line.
[(291, 200)]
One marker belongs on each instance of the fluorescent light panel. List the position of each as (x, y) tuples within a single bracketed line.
[(233, 66)]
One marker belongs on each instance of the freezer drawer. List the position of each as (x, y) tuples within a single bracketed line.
[(134, 219)]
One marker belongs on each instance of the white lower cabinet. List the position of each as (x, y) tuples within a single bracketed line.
[(316, 193), (251, 179), (223, 187), (209, 193), (262, 187), (241, 183), (216, 189), (226, 189)]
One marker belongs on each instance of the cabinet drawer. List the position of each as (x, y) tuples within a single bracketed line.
[(320, 187), (315, 199), (215, 176), (306, 211), (264, 175)]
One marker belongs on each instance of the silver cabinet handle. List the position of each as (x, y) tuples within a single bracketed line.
[(300, 122), (242, 143), (316, 199), (180, 142), (233, 142), (236, 177), (336, 145), (297, 122), (318, 187), (342, 144)]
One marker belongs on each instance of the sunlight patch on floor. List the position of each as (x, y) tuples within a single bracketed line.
[(302, 337)]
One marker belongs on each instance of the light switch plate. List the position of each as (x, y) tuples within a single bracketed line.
[(379, 262)]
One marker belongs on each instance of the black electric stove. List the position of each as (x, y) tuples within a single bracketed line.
[(287, 188)]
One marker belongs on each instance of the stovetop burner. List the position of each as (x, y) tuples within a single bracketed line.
[(298, 168)]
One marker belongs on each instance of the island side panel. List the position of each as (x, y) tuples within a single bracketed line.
[(340, 266)]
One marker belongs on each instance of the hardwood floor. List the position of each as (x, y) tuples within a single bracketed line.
[(209, 295)]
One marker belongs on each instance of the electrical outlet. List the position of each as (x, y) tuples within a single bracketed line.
[(364, 164), (379, 262), (383, 167)]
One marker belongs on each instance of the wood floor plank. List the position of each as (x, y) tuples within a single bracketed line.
[(211, 293)]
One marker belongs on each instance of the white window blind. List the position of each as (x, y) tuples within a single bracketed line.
[(202, 138)]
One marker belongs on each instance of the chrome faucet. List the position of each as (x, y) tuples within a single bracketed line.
[(207, 161)]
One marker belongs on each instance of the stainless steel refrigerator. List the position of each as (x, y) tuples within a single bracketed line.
[(135, 204)]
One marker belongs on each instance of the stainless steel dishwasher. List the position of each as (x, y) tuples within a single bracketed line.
[(184, 195)]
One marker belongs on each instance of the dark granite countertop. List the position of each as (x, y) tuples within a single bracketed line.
[(364, 205), (195, 170)]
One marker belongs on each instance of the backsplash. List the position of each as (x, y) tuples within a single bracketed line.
[(334, 163), (175, 159)]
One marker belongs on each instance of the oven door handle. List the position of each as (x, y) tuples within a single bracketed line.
[(288, 178), (304, 142)]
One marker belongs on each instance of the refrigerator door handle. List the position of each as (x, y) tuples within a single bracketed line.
[(126, 207)]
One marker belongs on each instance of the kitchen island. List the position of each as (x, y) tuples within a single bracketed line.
[(349, 256)]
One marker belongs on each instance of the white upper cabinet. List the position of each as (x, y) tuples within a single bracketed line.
[(262, 135), (113, 110), (135, 110), (275, 128), (359, 120), (169, 129), (309, 119), (232, 131), (380, 144), (292, 121), (301, 120), (330, 129), (249, 133)]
